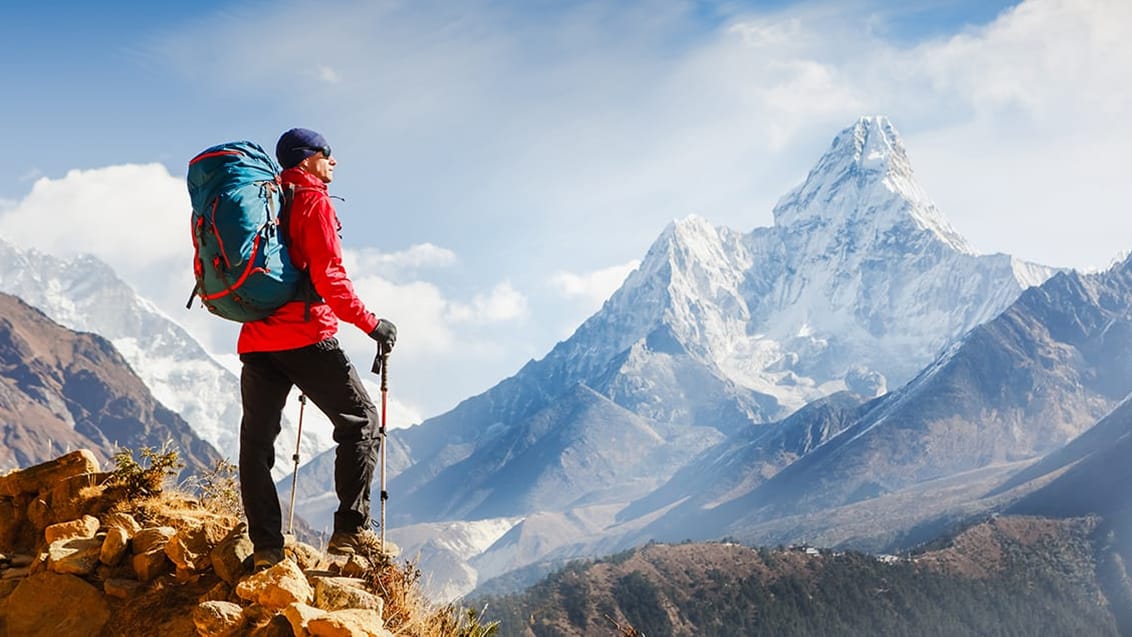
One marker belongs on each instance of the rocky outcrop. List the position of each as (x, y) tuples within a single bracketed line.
[(86, 563)]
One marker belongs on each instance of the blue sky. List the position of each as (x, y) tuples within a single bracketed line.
[(504, 164)]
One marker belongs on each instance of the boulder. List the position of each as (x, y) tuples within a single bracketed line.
[(151, 564), (38, 513), (153, 538), (356, 566), (42, 477), (114, 546), (230, 557), (123, 521), (348, 623), (84, 527), (305, 555), (56, 604), (72, 497), (276, 587), (189, 549), (299, 615), (339, 593), (76, 556), (218, 619)]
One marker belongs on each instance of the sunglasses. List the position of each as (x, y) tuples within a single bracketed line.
[(325, 150)]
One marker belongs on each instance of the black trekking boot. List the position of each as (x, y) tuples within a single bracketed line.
[(266, 558)]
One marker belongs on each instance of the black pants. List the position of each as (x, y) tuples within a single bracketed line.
[(325, 375)]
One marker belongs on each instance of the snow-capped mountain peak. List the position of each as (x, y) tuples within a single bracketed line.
[(861, 271), (862, 190)]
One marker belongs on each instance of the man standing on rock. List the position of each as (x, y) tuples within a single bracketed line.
[(296, 346)]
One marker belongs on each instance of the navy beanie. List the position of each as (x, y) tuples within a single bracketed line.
[(296, 145)]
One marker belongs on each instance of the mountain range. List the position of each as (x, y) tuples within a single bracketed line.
[(860, 283), (725, 359), (1012, 390)]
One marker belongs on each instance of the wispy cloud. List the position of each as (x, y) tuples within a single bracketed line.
[(329, 75), (593, 287), (416, 257), (503, 303)]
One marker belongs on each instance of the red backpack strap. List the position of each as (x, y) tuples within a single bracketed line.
[(306, 291)]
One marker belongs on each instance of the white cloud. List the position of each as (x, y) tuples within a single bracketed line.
[(329, 75), (592, 287), (419, 256), (418, 309), (131, 216), (1030, 159), (504, 303)]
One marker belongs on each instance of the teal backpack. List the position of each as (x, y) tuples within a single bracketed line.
[(240, 260)]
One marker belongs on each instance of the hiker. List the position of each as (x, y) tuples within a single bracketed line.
[(296, 345)]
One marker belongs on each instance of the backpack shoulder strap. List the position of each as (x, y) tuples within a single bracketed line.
[(306, 291)]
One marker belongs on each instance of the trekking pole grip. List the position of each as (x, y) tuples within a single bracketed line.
[(384, 370)]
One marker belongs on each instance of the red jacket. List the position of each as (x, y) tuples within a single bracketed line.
[(312, 227)]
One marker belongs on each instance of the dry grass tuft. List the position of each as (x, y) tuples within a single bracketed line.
[(407, 611)]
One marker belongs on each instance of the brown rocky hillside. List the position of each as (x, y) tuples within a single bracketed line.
[(62, 390)]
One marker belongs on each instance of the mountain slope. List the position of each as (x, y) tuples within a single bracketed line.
[(61, 390), (581, 439), (743, 462), (1090, 474)]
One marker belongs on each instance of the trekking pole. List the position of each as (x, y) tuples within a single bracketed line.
[(384, 393), (295, 475)]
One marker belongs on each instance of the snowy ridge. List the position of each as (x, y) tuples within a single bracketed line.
[(84, 294)]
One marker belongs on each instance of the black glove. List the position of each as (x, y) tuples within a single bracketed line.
[(385, 334)]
